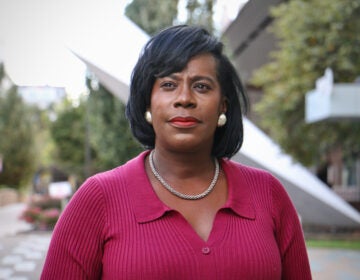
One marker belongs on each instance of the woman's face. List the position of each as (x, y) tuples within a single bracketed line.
[(185, 106)]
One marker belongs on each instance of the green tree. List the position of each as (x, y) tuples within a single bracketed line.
[(313, 35), (110, 133), (69, 132), (44, 144), (93, 136), (155, 15), (152, 16), (16, 137), (200, 13)]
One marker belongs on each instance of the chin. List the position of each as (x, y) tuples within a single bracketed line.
[(186, 146)]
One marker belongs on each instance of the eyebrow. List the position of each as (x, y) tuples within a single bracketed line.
[(195, 78)]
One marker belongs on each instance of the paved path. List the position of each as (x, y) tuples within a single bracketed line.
[(22, 256), (10, 223), (22, 251), (331, 264)]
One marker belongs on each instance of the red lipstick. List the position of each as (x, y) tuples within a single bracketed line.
[(184, 121)]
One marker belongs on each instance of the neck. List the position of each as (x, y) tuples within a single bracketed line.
[(179, 194), (183, 165)]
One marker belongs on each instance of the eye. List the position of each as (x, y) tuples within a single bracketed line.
[(166, 85), (202, 87)]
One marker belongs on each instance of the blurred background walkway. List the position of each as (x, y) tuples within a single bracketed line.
[(22, 250)]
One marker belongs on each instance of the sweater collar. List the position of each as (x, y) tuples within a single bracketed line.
[(148, 207), (240, 198)]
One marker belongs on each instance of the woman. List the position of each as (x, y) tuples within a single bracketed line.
[(181, 209)]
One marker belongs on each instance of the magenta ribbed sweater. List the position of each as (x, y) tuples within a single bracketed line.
[(115, 227)]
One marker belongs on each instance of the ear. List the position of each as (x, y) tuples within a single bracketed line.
[(224, 105)]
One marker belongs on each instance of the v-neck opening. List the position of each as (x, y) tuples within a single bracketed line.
[(217, 231)]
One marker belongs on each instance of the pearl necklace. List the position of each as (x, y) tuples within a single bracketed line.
[(181, 195)]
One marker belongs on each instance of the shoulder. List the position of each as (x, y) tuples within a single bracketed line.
[(111, 182), (118, 175), (265, 188), (255, 175), (260, 182)]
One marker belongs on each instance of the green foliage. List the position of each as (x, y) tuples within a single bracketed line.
[(68, 132), (94, 136), (313, 35), (152, 16), (2, 71), (200, 13), (16, 139), (110, 133), (44, 144), (334, 244)]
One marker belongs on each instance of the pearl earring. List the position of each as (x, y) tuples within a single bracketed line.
[(148, 117), (222, 120)]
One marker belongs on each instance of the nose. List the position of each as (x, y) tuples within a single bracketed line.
[(185, 98)]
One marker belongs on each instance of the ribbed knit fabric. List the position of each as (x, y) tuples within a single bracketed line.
[(115, 227)]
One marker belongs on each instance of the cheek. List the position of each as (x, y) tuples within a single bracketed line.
[(213, 115), (159, 101), (220, 108), (223, 104)]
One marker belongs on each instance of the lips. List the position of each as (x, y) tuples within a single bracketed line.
[(184, 121)]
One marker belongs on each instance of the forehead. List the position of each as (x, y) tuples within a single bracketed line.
[(206, 60), (201, 64)]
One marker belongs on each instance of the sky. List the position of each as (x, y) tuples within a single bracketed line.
[(34, 39), (36, 35)]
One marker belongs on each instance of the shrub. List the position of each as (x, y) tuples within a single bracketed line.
[(42, 213)]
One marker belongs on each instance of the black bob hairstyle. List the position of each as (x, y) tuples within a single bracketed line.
[(169, 52)]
